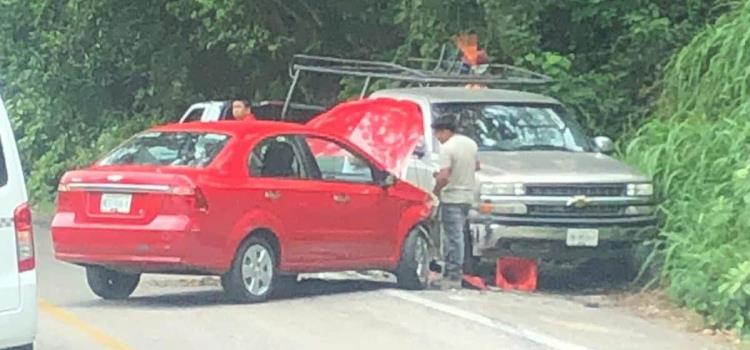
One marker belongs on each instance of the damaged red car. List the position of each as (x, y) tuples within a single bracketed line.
[(255, 203)]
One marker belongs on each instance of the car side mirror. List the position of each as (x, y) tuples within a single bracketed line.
[(388, 181), (604, 144)]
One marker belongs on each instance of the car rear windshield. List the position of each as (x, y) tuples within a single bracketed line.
[(191, 149), (3, 166)]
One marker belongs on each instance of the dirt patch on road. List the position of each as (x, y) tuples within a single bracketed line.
[(183, 282), (657, 306)]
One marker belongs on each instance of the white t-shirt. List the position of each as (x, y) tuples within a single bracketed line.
[(459, 154)]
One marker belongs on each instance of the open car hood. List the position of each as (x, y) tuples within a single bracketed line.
[(387, 129)]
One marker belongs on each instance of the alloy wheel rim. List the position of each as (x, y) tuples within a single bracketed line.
[(257, 270)]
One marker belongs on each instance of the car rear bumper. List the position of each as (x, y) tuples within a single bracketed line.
[(616, 238), (159, 246), (19, 326)]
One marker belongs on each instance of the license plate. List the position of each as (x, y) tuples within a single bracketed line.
[(115, 203), (582, 238)]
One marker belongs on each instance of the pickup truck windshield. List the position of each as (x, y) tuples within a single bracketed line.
[(515, 127), (191, 149)]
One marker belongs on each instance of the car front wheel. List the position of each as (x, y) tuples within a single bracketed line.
[(253, 273), (111, 285), (414, 267)]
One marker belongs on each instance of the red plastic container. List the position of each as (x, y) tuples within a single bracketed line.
[(517, 273)]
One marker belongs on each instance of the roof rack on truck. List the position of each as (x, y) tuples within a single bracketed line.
[(443, 72)]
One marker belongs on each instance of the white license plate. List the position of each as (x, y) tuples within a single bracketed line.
[(581, 237), (116, 203)]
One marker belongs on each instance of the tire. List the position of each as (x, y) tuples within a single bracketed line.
[(253, 276), (24, 347), (471, 263), (611, 270), (111, 285), (414, 267), (284, 282)]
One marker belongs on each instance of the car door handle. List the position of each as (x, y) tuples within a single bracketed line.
[(341, 198), (273, 195)]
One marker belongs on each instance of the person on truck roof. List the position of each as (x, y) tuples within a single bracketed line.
[(241, 110), (454, 185)]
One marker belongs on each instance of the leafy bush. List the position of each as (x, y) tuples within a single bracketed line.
[(697, 147)]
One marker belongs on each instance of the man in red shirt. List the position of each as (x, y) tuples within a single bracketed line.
[(241, 110)]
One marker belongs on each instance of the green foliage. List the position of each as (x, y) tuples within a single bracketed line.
[(697, 149), (72, 70), (613, 51)]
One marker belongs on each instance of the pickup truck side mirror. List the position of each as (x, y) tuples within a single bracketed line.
[(604, 144), (419, 151)]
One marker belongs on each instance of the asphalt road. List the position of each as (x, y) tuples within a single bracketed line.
[(330, 311)]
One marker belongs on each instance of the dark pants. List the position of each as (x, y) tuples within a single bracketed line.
[(453, 218)]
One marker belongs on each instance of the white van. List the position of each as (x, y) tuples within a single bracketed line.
[(18, 310)]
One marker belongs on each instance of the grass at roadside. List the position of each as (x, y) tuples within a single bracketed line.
[(696, 147)]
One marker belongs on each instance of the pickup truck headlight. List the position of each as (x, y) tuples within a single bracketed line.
[(640, 190), (502, 189)]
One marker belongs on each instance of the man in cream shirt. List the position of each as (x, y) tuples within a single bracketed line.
[(455, 184)]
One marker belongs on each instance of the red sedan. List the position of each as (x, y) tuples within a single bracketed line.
[(256, 203)]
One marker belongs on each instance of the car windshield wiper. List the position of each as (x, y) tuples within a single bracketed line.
[(544, 148)]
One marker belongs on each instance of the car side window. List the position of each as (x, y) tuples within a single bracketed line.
[(337, 163), (275, 157), (194, 116)]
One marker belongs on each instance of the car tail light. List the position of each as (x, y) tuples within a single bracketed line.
[(63, 200), (193, 195), (24, 238)]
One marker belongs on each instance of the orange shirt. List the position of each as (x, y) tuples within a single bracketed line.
[(248, 118)]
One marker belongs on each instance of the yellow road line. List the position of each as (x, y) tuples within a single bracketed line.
[(107, 342)]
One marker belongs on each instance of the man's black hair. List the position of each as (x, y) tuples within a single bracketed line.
[(244, 101), (445, 122)]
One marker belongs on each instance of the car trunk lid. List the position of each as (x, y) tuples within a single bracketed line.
[(122, 195)]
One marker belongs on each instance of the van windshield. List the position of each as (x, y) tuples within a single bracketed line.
[(516, 127), (192, 149)]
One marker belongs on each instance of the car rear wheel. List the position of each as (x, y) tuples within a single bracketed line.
[(111, 285), (253, 276), (414, 268)]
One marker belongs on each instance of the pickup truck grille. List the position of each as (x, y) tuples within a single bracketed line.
[(593, 190), (565, 211)]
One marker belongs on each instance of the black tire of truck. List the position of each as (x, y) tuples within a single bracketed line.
[(471, 263), (623, 269), (111, 285)]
